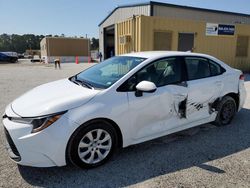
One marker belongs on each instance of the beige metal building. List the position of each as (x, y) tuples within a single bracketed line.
[(160, 26), (33, 53), (67, 49)]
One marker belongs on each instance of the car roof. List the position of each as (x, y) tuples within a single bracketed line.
[(160, 54)]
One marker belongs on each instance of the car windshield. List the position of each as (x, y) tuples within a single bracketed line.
[(106, 73)]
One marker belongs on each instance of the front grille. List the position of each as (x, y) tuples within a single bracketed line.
[(12, 146)]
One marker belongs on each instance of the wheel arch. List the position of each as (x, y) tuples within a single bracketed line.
[(114, 124), (236, 98)]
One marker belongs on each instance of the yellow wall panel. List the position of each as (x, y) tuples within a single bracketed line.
[(141, 29)]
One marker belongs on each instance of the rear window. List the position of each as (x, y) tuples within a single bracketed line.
[(215, 68), (198, 68)]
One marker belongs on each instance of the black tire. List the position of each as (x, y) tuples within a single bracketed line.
[(72, 149), (226, 110), (13, 60)]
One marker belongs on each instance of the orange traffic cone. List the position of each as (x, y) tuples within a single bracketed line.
[(77, 60)]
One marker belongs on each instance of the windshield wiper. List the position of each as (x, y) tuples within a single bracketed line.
[(77, 83), (74, 80), (81, 82), (88, 85)]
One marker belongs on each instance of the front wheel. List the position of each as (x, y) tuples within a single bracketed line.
[(92, 145), (226, 111)]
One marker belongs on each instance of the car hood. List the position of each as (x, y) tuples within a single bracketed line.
[(51, 98)]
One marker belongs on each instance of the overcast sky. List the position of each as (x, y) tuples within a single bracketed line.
[(81, 17)]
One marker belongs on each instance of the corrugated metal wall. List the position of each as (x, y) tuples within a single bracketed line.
[(222, 47), (119, 15), (65, 47), (191, 14), (131, 28)]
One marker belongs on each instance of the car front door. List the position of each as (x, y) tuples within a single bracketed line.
[(153, 114), (204, 87)]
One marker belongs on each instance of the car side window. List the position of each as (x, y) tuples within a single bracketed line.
[(197, 68), (162, 72), (215, 68)]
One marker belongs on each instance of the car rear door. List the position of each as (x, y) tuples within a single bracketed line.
[(152, 114), (204, 87)]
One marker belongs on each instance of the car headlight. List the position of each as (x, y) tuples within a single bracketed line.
[(39, 123)]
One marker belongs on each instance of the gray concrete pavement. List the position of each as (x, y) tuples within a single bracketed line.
[(212, 157)]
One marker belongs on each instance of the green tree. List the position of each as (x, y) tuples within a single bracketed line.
[(94, 44), (20, 43), (5, 42)]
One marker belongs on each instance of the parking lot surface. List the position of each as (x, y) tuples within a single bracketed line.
[(206, 156)]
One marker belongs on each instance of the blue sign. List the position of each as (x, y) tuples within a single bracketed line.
[(226, 29)]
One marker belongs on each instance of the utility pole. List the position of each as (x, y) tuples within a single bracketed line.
[(48, 51), (89, 58)]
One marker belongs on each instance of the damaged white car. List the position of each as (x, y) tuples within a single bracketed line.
[(122, 101)]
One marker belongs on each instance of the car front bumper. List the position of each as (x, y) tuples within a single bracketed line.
[(43, 149)]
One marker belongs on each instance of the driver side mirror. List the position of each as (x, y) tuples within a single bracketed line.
[(145, 86)]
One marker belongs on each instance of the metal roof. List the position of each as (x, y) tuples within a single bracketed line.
[(151, 3), (125, 6)]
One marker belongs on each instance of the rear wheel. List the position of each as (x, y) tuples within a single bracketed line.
[(92, 145), (226, 111)]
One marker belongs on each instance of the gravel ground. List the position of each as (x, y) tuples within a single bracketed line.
[(201, 157)]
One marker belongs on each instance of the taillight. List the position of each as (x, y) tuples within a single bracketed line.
[(242, 77)]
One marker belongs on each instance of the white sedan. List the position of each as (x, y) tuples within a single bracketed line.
[(122, 101)]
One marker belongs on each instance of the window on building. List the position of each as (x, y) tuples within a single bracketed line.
[(162, 40), (242, 46)]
